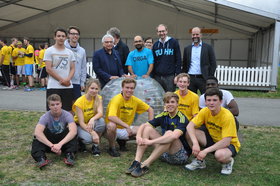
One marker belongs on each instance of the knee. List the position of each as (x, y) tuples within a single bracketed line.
[(221, 155), (111, 127)]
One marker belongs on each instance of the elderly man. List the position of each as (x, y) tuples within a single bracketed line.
[(167, 57), (140, 61), (106, 61)]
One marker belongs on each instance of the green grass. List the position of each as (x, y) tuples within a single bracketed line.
[(256, 164)]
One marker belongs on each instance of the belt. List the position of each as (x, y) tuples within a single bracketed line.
[(196, 75)]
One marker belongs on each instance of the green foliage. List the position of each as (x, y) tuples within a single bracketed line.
[(256, 164)]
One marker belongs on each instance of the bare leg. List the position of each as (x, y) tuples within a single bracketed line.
[(111, 134)]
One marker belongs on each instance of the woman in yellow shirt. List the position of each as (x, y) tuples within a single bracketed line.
[(88, 111)]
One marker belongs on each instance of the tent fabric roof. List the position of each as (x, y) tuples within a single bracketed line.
[(220, 12)]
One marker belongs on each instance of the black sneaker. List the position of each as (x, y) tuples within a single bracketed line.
[(122, 144), (69, 159), (138, 171), (81, 146), (113, 152), (95, 150), (42, 162), (133, 166)]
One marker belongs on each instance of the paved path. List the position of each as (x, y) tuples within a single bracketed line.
[(253, 111)]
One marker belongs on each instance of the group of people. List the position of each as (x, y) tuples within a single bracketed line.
[(74, 120)]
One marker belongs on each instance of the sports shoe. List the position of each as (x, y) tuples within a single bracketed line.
[(43, 162), (196, 164), (133, 166), (27, 89), (122, 144), (43, 88), (81, 146), (113, 152), (139, 171), (69, 159), (227, 167), (95, 150)]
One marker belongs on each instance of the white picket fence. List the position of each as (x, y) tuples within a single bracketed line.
[(243, 76)]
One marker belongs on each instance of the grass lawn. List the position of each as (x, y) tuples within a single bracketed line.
[(257, 163)]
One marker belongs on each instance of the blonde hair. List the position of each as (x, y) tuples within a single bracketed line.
[(97, 100)]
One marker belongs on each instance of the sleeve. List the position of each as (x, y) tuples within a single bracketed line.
[(129, 60), (212, 60), (150, 56), (229, 129), (71, 56), (113, 107), (43, 119), (30, 50), (156, 121), (96, 64), (199, 119), (195, 108), (185, 61), (178, 58), (15, 53), (141, 106), (47, 56), (84, 69), (41, 54), (227, 96), (69, 117), (78, 103)]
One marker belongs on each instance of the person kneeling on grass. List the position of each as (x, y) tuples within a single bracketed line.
[(220, 136), (171, 146), (56, 132), (88, 111)]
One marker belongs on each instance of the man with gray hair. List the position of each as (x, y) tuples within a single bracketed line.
[(120, 46), (106, 61)]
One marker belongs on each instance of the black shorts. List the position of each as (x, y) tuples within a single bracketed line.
[(67, 97), (13, 69), (210, 142), (43, 73)]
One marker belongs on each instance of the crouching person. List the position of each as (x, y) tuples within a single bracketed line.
[(171, 146), (220, 136), (88, 111), (55, 132)]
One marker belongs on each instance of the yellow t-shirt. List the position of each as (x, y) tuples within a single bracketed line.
[(125, 110), (41, 57), (29, 60), (188, 104), (19, 61), (220, 126), (6, 51), (86, 106)]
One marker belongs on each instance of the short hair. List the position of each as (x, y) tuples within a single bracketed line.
[(213, 92), (26, 38), (183, 75), (4, 41), (168, 95), (148, 39), (14, 39), (161, 25), (106, 36), (54, 97), (129, 80), (115, 32), (213, 78), (41, 46), (73, 27), (60, 30)]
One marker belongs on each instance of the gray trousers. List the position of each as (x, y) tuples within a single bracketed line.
[(167, 82), (99, 127)]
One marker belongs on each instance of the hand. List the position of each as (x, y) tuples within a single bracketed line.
[(56, 148), (65, 82), (95, 138), (139, 140), (82, 88), (133, 76), (129, 131), (201, 155), (90, 126), (145, 76), (114, 77), (147, 141), (195, 150)]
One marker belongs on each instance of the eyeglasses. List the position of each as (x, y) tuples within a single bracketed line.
[(108, 41), (74, 34)]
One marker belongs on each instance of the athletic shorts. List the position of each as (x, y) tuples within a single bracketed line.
[(20, 70), (210, 142), (28, 69), (122, 134), (179, 158), (66, 95), (43, 73), (13, 69)]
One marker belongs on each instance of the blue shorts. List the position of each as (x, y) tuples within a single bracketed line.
[(179, 158), (28, 69)]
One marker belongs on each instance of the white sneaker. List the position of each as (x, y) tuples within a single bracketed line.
[(227, 167), (196, 164)]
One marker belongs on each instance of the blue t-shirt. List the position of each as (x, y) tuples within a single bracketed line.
[(140, 61), (179, 121), (56, 126)]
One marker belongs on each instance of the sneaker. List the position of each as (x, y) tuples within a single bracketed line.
[(227, 167), (43, 162), (133, 166), (69, 159), (27, 89), (122, 144), (43, 88), (113, 152), (196, 164), (81, 146), (138, 171), (95, 150)]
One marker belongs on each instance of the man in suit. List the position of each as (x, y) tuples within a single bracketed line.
[(199, 62), (106, 61)]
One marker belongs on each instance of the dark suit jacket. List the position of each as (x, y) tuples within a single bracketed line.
[(207, 60), (104, 68), (123, 50)]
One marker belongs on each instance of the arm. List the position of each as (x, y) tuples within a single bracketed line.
[(84, 72), (150, 69), (178, 59), (2, 59), (51, 72), (150, 113), (40, 136), (212, 61), (96, 64), (191, 132), (168, 137), (118, 121), (130, 70), (185, 61), (98, 115), (139, 135), (80, 115), (233, 107), (28, 55)]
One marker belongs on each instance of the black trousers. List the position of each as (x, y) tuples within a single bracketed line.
[(39, 149), (197, 83), (6, 75)]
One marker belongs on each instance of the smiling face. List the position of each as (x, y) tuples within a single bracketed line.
[(162, 32), (74, 35), (149, 43), (138, 42), (92, 90), (128, 90), (171, 106), (196, 35), (183, 83)]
